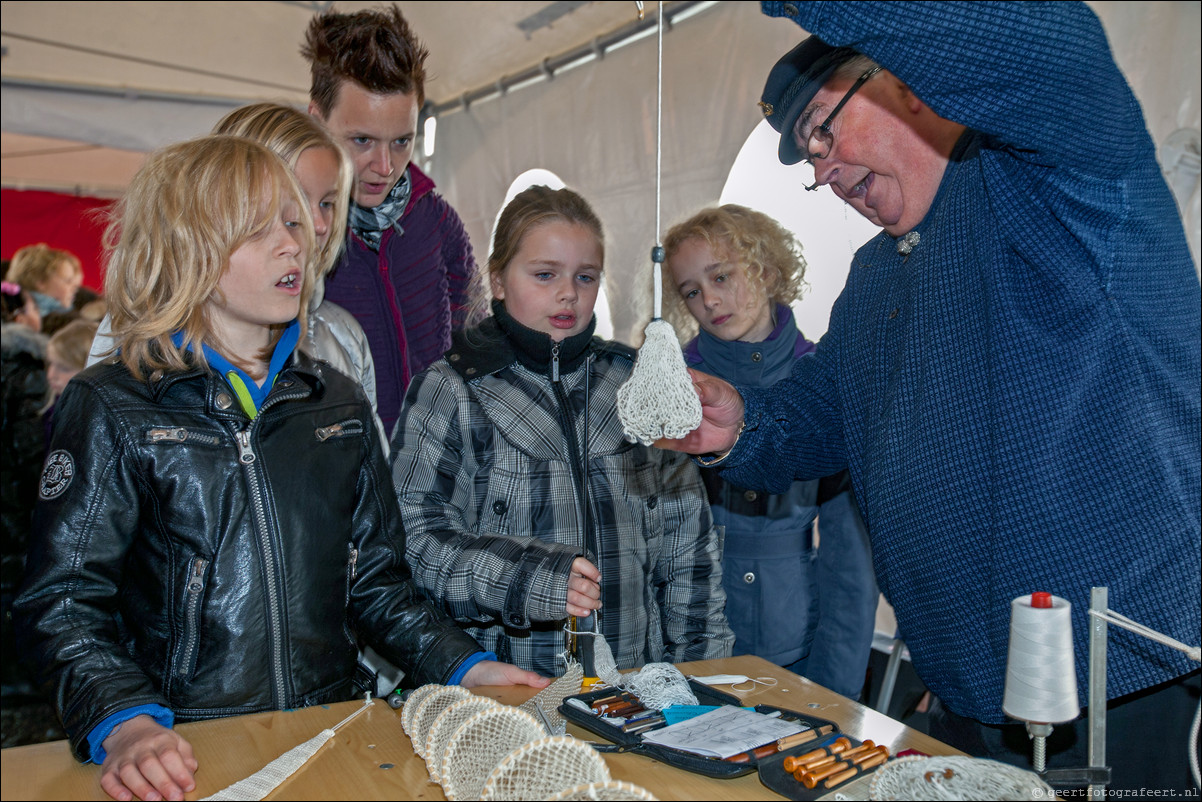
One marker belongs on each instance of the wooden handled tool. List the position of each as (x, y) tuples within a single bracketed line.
[(874, 760), (811, 779), (790, 741), (758, 753), (838, 745), (819, 762)]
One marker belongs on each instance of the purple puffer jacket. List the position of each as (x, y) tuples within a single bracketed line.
[(412, 294)]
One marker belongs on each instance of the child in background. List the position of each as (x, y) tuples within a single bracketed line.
[(50, 275), (810, 609), (19, 306), (22, 449), (66, 355), (522, 501), (324, 173), (211, 496), (25, 394)]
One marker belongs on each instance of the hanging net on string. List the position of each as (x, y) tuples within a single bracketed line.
[(658, 400)]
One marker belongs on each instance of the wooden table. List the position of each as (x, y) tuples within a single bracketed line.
[(371, 758)]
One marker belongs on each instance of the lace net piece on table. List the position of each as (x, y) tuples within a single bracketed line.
[(544, 767), (544, 705), (479, 744), (955, 777), (431, 706), (445, 725), (612, 790), (659, 685)]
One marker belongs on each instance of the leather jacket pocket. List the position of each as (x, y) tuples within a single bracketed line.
[(189, 644), (352, 427), (179, 434)]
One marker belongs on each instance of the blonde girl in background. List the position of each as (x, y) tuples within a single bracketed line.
[(52, 276), (797, 566)]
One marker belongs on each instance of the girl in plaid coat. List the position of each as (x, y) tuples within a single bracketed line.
[(522, 502)]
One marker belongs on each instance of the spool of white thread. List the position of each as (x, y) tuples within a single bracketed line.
[(1041, 681)]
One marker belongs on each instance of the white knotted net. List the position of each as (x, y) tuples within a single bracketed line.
[(429, 709), (953, 777), (544, 767), (258, 785), (413, 703), (268, 778), (544, 705), (659, 685), (658, 400), (612, 790), (603, 661), (479, 744), (603, 657), (445, 725)]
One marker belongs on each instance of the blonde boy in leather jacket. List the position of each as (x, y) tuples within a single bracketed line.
[(210, 496)]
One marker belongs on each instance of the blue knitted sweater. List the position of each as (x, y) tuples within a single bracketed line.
[(1018, 400)]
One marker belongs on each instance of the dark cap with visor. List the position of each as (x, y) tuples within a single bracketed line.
[(792, 84)]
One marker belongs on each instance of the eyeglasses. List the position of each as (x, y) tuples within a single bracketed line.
[(821, 140)]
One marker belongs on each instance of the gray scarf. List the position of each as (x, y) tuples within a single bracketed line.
[(370, 224)]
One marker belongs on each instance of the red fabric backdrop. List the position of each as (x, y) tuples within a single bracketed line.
[(69, 222)]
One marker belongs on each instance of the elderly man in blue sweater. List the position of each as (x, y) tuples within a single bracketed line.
[(1012, 370)]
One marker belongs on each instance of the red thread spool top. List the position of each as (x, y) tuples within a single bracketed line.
[(1041, 600)]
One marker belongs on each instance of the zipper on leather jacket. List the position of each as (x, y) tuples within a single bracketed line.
[(193, 595), (179, 434), (247, 457), (346, 428), (351, 572), (246, 454)]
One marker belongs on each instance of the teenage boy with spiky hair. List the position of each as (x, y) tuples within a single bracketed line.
[(408, 273)]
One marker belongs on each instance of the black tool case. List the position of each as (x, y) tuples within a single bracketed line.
[(709, 766)]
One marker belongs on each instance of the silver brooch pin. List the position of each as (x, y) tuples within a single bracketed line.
[(907, 243)]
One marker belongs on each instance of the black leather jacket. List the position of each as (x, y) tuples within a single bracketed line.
[(188, 557)]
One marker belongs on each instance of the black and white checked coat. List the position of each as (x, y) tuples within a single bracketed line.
[(491, 504)]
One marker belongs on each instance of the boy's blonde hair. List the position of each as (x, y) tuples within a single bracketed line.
[(289, 133), (769, 253), (34, 265), (73, 341), (185, 212)]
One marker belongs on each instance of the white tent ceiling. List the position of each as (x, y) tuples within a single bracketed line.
[(89, 86), (82, 76)]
